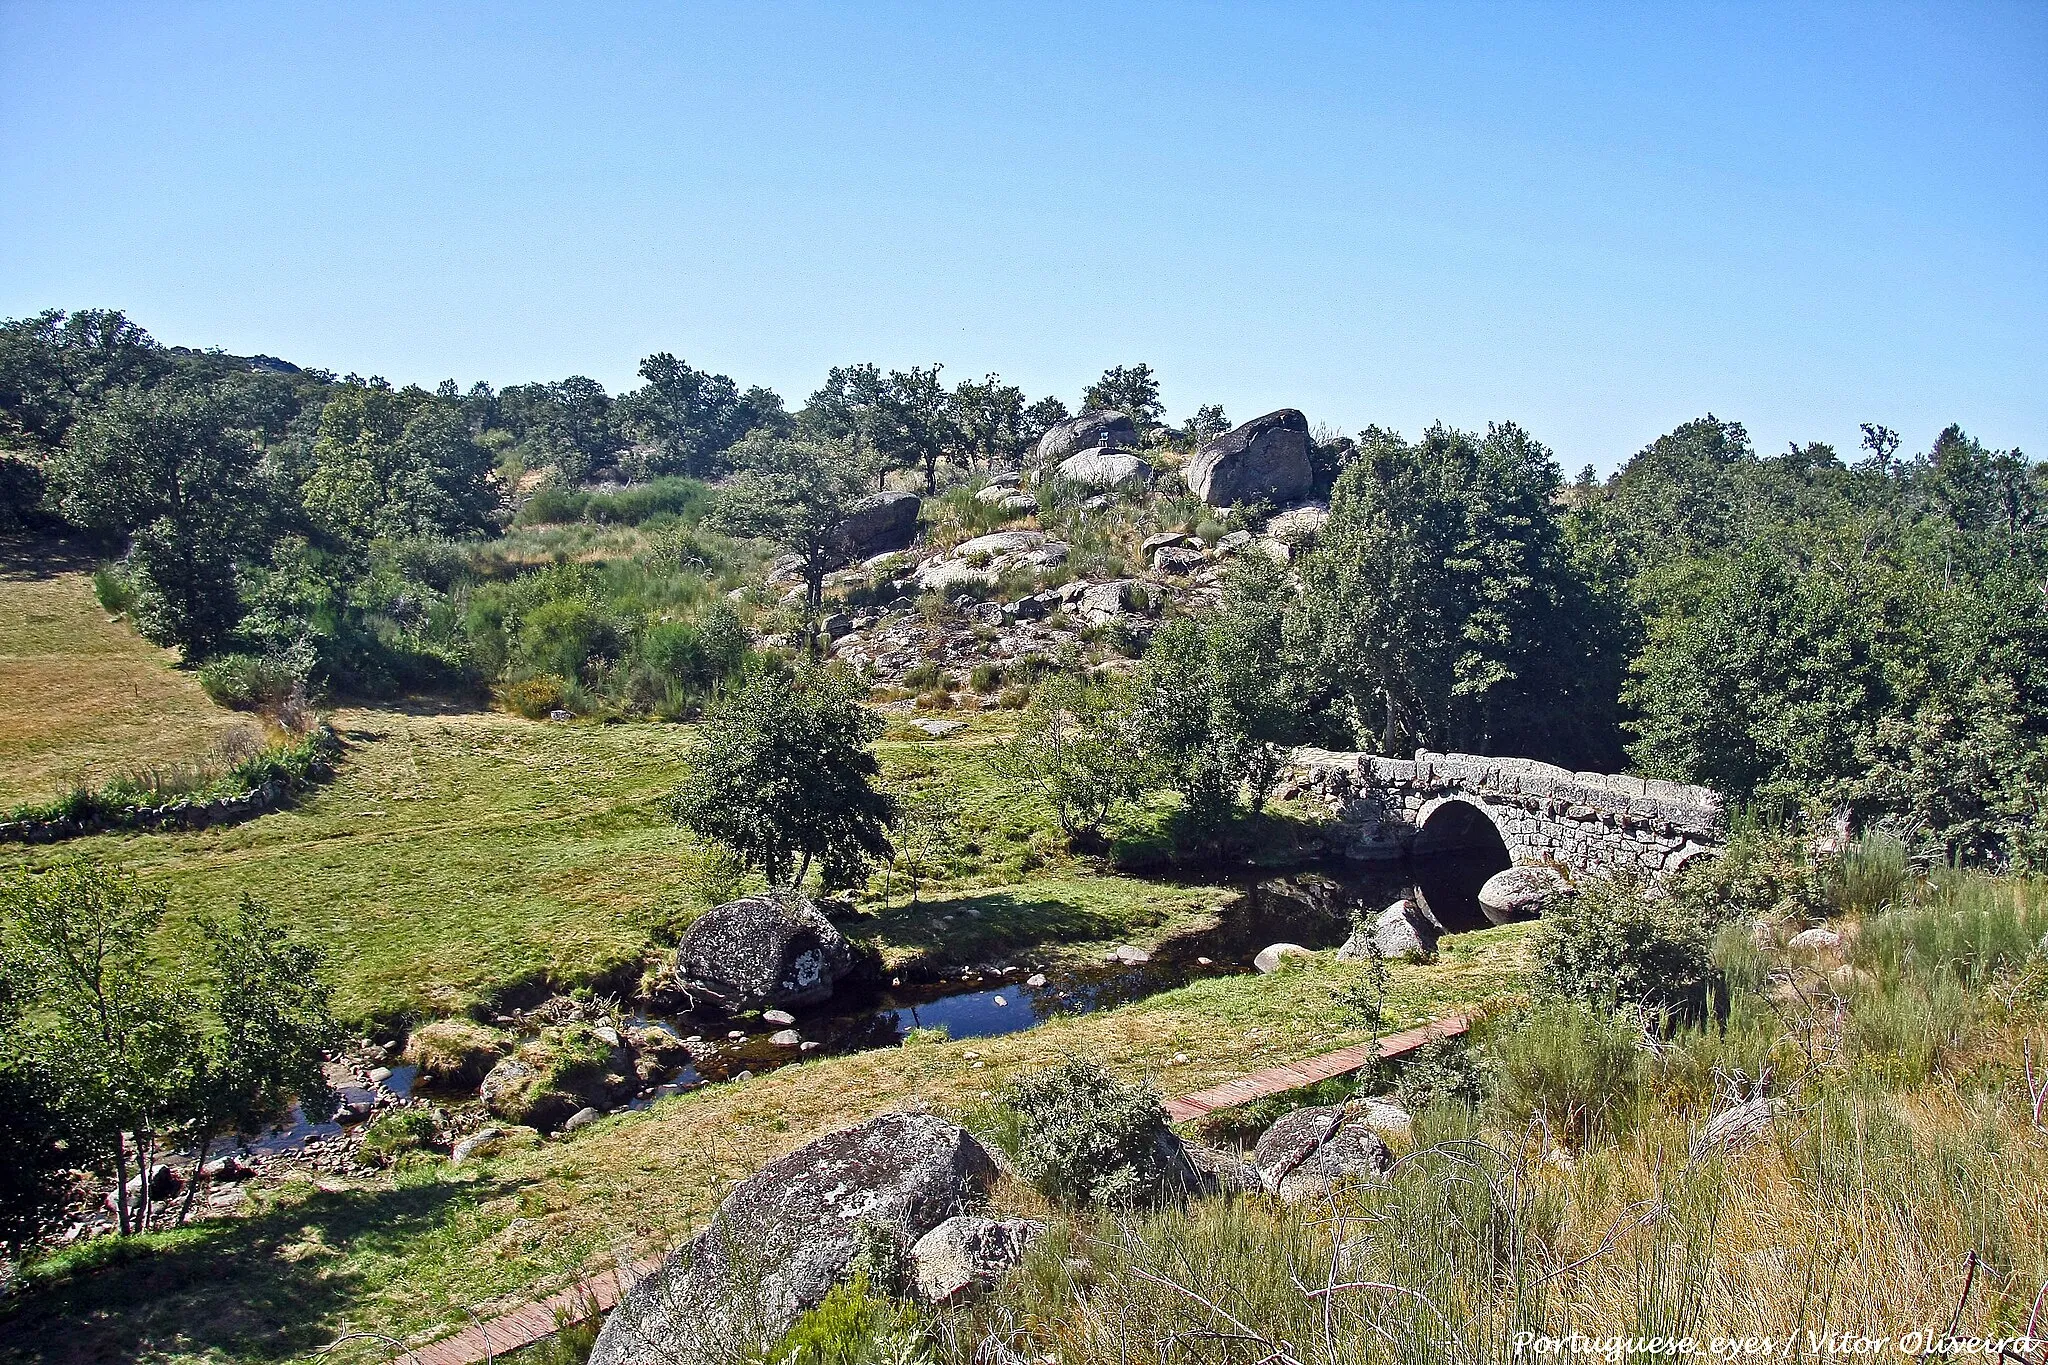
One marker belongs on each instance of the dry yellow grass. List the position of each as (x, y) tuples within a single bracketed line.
[(83, 698)]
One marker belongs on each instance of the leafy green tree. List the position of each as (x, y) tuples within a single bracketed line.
[(1041, 417), (796, 494), (917, 427), (397, 464), (1132, 391), (57, 366), (990, 417), (691, 416), (116, 1038), (168, 471), (1077, 746), (37, 1145), (1206, 425), (268, 1022), (849, 411), (784, 773)]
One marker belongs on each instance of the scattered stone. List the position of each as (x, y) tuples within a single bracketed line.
[(1308, 1151), (1517, 893), (1815, 940), (779, 1018), (379, 1074), (939, 729), (1265, 460), (1100, 601), (967, 1255), (1128, 956), (1219, 1172), (787, 1234), (761, 951), (1171, 559), (1737, 1126), (788, 1037), (582, 1118), (1270, 957), (1298, 525), (492, 1140), (1401, 932), (1035, 979), (1386, 1118)]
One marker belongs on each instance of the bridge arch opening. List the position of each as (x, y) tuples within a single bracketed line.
[(1455, 851)]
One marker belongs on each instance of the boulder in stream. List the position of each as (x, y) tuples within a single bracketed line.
[(760, 952)]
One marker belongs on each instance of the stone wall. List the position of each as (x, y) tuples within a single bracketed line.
[(1589, 822)]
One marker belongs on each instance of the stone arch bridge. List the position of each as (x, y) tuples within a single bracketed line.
[(1447, 803)]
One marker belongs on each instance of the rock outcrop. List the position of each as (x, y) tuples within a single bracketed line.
[(1399, 932), (1101, 467), (1106, 430), (1265, 460), (785, 1235), (1298, 525), (762, 952), (882, 522)]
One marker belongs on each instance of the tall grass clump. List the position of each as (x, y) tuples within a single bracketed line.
[(1569, 1070)]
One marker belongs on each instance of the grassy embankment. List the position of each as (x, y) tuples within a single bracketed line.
[(406, 1255), (83, 698)]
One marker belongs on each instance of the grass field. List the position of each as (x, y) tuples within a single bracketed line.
[(407, 1256), (460, 854), (83, 698)]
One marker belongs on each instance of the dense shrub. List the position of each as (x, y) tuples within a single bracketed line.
[(1765, 873), (114, 589), (536, 698), (1085, 1137), (1616, 943), (246, 682), (1574, 1071)]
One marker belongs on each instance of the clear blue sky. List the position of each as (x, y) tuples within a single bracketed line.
[(1596, 220)]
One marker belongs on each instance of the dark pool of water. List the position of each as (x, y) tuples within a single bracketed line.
[(1315, 910)]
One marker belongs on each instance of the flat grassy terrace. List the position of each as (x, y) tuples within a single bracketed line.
[(84, 698)]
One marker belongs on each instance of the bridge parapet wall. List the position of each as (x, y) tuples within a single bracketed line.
[(1589, 822)]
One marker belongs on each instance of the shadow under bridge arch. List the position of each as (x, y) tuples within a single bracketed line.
[(1456, 849)]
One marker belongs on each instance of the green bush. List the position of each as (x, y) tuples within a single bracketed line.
[(536, 698), (1575, 1072), (921, 678), (1085, 1137), (986, 677), (1763, 874), (853, 1325), (246, 682), (114, 589), (397, 1131), (563, 636), (1615, 944), (1447, 1071)]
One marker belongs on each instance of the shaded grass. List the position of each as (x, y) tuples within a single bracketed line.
[(83, 699)]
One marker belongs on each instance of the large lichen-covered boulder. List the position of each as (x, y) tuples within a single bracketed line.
[(1104, 468), (564, 1069), (1089, 431), (787, 1234), (763, 952), (1265, 460), (1308, 1151), (882, 521), (455, 1052), (1401, 932)]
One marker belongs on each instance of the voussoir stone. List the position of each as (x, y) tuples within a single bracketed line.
[(1265, 460), (763, 952), (788, 1233)]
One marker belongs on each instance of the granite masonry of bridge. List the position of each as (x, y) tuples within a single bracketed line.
[(1586, 822)]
